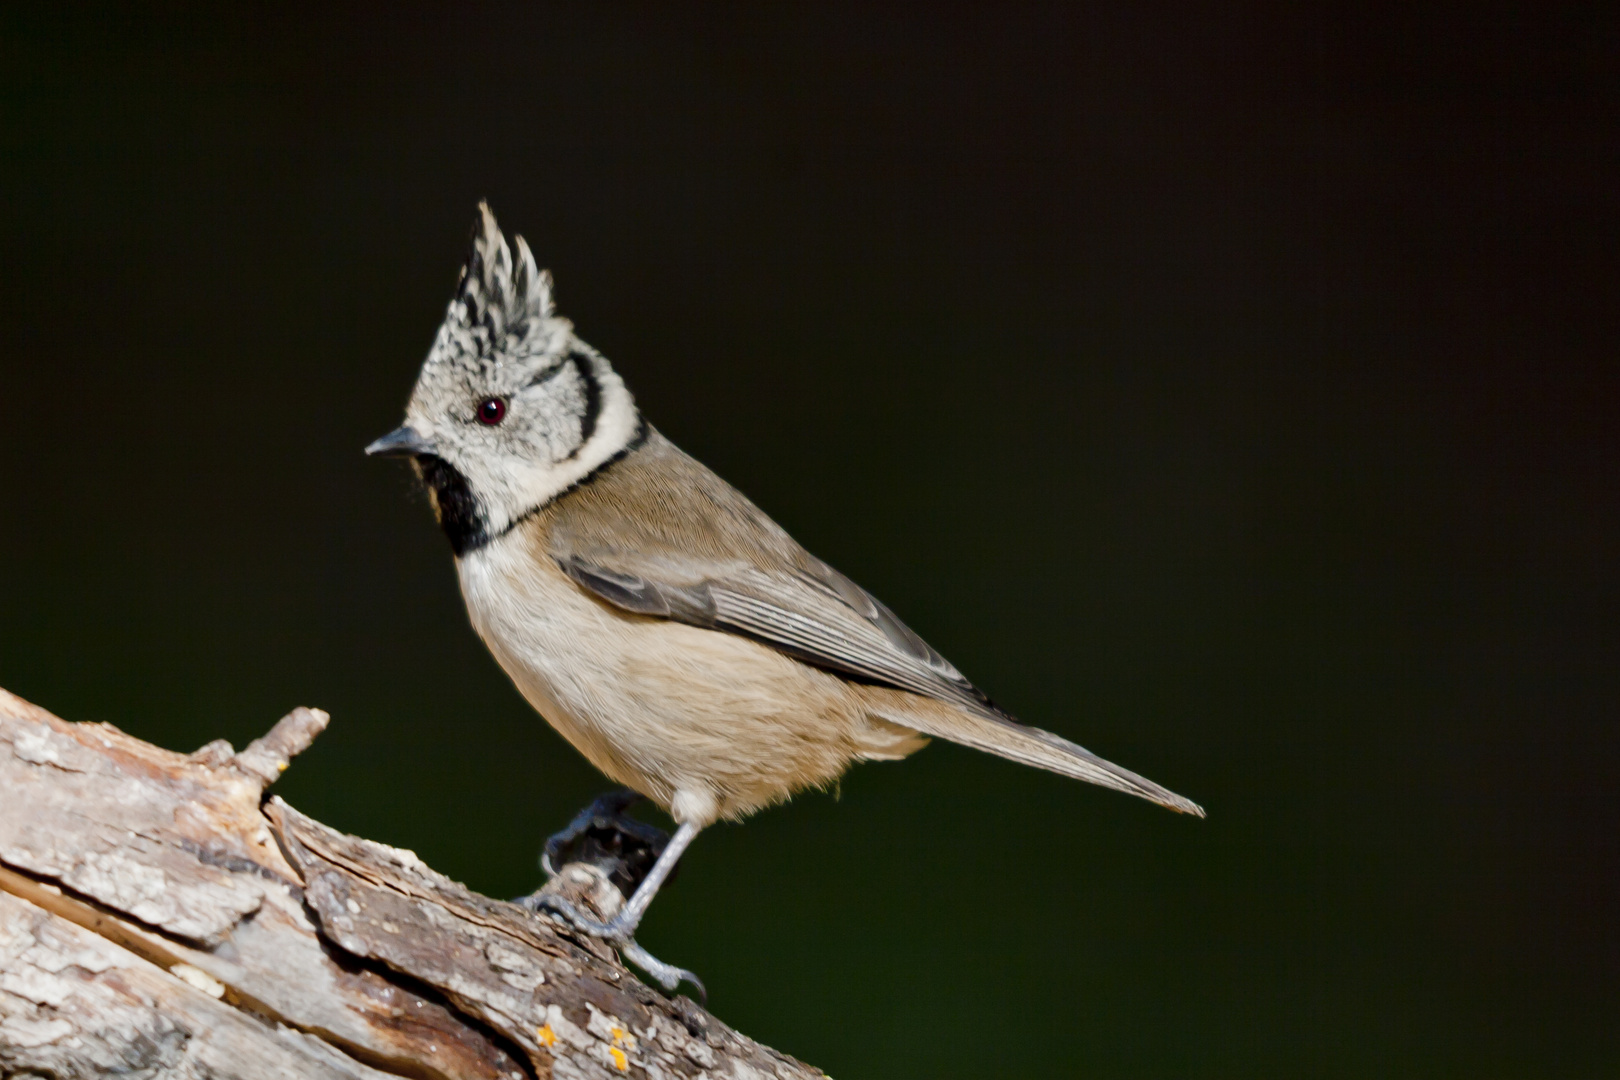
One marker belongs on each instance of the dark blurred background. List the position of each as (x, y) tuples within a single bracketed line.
[(1229, 388)]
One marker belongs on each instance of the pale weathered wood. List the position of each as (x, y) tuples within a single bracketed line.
[(160, 917)]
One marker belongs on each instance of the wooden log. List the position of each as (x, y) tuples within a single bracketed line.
[(161, 917)]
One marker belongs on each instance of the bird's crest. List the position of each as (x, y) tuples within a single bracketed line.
[(502, 309)]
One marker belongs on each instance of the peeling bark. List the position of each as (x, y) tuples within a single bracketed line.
[(160, 917)]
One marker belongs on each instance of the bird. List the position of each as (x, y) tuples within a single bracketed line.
[(670, 630)]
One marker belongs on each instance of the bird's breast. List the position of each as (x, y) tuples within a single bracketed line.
[(556, 643)]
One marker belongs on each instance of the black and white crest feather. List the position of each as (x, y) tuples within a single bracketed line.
[(502, 311)]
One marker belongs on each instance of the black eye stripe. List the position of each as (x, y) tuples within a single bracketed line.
[(546, 374), (589, 383)]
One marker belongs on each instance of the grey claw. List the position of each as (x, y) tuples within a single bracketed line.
[(666, 975)]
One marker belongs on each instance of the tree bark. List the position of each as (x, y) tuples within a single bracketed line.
[(161, 917)]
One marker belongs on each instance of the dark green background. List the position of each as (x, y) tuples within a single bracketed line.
[(1230, 389)]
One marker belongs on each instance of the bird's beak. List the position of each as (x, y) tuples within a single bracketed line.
[(401, 442)]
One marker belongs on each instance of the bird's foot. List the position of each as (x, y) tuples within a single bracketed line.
[(619, 932), (633, 858)]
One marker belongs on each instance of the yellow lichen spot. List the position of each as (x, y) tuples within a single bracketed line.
[(546, 1036), (620, 1062), (622, 1038)]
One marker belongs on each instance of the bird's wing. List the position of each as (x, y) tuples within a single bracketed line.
[(809, 611), (819, 616)]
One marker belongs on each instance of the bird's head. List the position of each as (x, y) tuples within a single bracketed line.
[(510, 409)]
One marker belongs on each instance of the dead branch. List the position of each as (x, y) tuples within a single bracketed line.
[(159, 917)]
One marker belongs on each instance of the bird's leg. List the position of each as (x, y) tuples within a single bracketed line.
[(604, 836), (622, 927)]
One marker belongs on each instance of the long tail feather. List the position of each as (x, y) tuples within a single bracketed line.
[(1007, 738)]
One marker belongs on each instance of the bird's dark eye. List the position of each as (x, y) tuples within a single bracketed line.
[(491, 411)]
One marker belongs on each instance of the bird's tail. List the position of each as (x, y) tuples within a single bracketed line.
[(1006, 737)]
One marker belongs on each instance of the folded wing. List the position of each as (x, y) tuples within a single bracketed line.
[(808, 610)]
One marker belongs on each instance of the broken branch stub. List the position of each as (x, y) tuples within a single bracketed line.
[(159, 917), (267, 757)]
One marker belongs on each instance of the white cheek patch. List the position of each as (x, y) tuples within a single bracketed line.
[(545, 417), (533, 482)]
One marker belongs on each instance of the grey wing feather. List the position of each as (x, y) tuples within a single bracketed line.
[(635, 593), (816, 615)]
